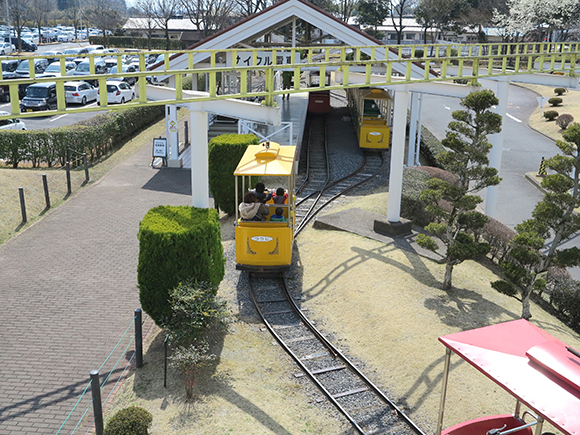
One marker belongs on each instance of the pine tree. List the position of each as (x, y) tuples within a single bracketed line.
[(453, 204), (553, 217)]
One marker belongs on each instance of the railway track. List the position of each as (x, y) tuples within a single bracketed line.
[(317, 190), (363, 404)]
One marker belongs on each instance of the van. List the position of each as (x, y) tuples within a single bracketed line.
[(40, 96), (25, 45)]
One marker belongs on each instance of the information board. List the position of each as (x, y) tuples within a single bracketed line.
[(160, 147)]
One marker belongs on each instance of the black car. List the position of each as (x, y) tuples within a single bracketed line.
[(25, 45), (5, 90), (40, 96), (10, 65)]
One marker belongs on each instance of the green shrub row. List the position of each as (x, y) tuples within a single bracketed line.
[(224, 154), (132, 42), (95, 136), (430, 147), (176, 244)]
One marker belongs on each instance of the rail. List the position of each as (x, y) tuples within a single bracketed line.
[(434, 60), (326, 366)]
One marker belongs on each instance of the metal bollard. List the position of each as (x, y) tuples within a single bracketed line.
[(186, 132), (138, 338), (22, 204), (68, 185), (165, 368), (68, 153), (46, 193), (97, 404), (86, 165)]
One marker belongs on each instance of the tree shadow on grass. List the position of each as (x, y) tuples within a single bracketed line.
[(417, 269), (466, 309), (148, 385)]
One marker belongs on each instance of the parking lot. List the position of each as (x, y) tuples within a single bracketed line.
[(62, 119)]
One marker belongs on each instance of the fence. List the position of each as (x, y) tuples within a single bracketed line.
[(82, 423), (33, 200)]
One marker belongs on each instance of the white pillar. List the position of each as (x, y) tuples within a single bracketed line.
[(194, 82), (497, 146), (293, 34), (418, 142), (199, 155), (172, 136), (413, 128), (397, 155)]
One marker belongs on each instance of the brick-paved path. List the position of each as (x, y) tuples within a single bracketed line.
[(68, 292)]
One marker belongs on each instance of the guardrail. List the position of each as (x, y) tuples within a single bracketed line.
[(473, 61)]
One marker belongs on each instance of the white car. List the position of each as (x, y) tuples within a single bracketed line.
[(53, 70), (117, 92), (79, 92), (6, 48), (11, 124)]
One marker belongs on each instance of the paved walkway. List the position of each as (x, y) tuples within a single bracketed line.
[(68, 292)]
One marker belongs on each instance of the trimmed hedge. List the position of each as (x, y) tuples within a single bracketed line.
[(95, 136), (132, 42), (555, 101), (224, 154), (129, 421), (431, 147), (550, 115), (176, 244), (412, 207)]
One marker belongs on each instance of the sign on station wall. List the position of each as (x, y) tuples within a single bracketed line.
[(263, 58)]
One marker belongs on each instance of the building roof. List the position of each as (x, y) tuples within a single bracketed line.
[(175, 24)]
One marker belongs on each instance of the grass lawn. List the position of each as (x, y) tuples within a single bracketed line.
[(570, 104), (382, 305)]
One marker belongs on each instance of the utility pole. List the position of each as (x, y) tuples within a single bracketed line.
[(8, 22)]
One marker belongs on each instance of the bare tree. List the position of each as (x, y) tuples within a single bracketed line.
[(250, 7), (162, 11), (346, 8), (38, 12), (397, 10), (147, 13), (18, 14), (209, 16), (104, 14)]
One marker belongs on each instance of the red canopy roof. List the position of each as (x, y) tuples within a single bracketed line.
[(528, 363)]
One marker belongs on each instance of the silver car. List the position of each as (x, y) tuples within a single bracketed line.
[(79, 92), (11, 124)]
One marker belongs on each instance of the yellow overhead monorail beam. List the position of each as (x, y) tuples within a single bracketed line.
[(469, 62)]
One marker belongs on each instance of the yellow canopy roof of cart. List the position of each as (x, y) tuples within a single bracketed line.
[(267, 159)]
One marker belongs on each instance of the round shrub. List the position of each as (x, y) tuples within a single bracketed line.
[(550, 115), (176, 244), (555, 101), (129, 421), (224, 154), (559, 91), (419, 53), (564, 120)]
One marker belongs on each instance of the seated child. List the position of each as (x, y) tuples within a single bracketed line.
[(281, 196), (278, 216), (262, 193)]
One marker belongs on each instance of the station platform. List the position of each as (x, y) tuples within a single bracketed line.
[(294, 110)]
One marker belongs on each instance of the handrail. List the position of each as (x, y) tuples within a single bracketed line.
[(479, 61)]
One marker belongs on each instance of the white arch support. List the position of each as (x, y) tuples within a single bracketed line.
[(280, 14)]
